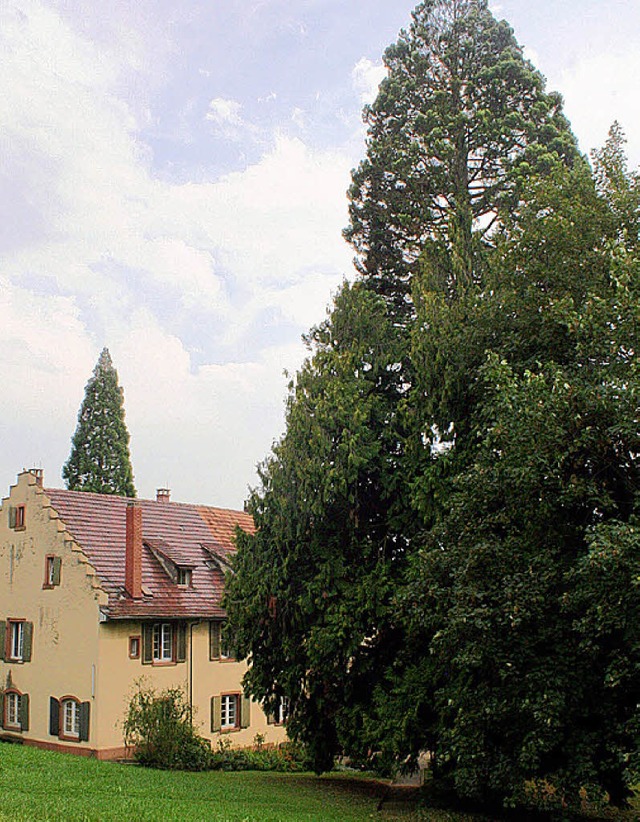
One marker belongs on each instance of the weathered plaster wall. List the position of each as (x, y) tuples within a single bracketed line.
[(65, 617), (118, 675)]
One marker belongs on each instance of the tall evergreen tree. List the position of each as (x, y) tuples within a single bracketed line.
[(447, 545), (459, 122), (514, 677), (100, 459), (449, 135)]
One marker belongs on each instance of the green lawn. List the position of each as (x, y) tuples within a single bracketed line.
[(39, 785)]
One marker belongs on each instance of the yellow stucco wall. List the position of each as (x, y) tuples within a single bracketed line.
[(118, 675), (65, 618), (75, 653)]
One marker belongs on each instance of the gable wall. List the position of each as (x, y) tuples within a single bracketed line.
[(65, 618)]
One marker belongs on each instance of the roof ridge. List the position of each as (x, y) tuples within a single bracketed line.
[(196, 505)]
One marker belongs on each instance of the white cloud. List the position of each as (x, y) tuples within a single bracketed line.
[(298, 118), (102, 253), (224, 112), (366, 76), (601, 88)]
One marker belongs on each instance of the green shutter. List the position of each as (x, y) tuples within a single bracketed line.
[(181, 646), (216, 713), (147, 644), (214, 640), (57, 565), (245, 711), (23, 712), (3, 639), (54, 716), (27, 641), (85, 710), (12, 516)]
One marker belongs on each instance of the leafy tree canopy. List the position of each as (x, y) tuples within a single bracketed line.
[(447, 547), (99, 459)]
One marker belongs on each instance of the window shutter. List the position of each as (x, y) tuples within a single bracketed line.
[(12, 516), (54, 716), (85, 710), (181, 646), (216, 713), (1, 709), (57, 566), (27, 641), (147, 644), (23, 712), (214, 640), (245, 711), (3, 639)]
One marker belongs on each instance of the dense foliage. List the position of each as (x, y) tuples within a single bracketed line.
[(99, 459), (158, 727), (448, 554)]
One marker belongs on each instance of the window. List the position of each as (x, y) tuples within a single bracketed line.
[(52, 567), (12, 706), (17, 517), (184, 576), (219, 647), (15, 640), (134, 647), (163, 643), (281, 714), (69, 718), (230, 712), (15, 714)]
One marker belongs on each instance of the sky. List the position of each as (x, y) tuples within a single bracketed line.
[(173, 185)]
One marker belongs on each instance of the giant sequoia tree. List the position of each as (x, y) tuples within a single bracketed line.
[(459, 122), (99, 459), (460, 459)]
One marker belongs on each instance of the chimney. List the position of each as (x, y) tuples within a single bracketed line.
[(133, 551), (163, 495), (38, 473)]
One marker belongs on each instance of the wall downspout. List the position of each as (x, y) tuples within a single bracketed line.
[(191, 627)]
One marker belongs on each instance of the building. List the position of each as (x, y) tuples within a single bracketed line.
[(98, 592)]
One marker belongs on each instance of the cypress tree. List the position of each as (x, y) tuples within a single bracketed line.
[(100, 459)]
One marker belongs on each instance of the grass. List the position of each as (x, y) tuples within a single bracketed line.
[(39, 785)]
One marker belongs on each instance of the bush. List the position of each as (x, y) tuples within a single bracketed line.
[(287, 757), (158, 726)]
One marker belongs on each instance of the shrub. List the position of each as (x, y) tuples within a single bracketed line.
[(158, 726), (287, 757)]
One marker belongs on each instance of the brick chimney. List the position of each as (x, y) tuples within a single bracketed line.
[(38, 473), (163, 495), (133, 551)]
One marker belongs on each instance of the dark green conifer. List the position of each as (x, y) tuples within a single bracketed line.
[(100, 459)]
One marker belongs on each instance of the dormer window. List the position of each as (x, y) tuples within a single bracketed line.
[(184, 577)]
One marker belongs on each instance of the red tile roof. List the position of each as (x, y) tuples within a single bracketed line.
[(182, 532)]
